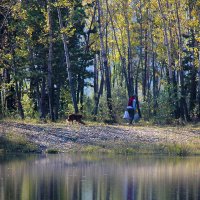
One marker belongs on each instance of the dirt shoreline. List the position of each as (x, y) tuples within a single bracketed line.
[(68, 137)]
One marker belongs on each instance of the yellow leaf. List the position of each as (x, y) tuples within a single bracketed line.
[(29, 30)]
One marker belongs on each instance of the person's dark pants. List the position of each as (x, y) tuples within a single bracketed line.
[(131, 113)]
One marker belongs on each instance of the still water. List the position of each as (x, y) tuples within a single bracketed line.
[(99, 177)]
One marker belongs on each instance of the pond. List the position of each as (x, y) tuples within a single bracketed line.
[(99, 177)]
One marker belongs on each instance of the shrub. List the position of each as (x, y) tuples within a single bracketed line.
[(52, 151), (163, 112), (28, 107)]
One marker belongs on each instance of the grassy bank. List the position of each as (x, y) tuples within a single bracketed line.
[(142, 138), (14, 143), (140, 148)]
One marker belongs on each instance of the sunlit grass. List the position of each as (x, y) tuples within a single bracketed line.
[(139, 148), (11, 142)]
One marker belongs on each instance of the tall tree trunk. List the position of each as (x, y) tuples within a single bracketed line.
[(199, 82), (122, 58), (105, 63), (148, 74), (34, 80), (71, 85), (130, 65), (174, 85), (96, 79), (155, 85), (140, 19), (9, 93), (82, 94), (57, 101), (50, 84), (19, 104), (42, 99), (193, 90), (183, 104), (145, 67), (80, 91), (166, 42), (193, 85), (17, 89), (155, 70), (97, 92), (1, 105), (96, 82), (78, 88), (193, 78)]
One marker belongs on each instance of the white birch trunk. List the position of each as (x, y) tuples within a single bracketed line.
[(67, 60)]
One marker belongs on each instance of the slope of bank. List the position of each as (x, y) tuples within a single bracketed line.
[(64, 137)]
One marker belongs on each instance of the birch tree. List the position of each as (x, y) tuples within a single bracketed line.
[(67, 60)]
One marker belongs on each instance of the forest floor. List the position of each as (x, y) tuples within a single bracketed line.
[(138, 138)]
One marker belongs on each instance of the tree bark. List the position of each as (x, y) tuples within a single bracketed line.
[(96, 79), (167, 43), (145, 67), (71, 85), (17, 90), (105, 63), (155, 70), (50, 84), (140, 19), (57, 101), (183, 104), (97, 92), (199, 83), (42, 99), (130, 65), (122, 58), (19, 104)]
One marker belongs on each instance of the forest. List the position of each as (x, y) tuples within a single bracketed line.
[(88, 56)]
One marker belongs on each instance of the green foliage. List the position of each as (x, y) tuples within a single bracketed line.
[(195, 112), (87, 108), (92, 149), (176, 149), (103, 113), (119, 103), (162, 112), (28, 106), (52, 151), (120, 100), (66, 106)]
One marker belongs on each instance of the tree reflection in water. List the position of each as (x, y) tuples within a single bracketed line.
[(76, 177)]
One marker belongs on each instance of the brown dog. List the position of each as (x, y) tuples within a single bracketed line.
[(75, 117)]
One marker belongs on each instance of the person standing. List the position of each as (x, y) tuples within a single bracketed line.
[(131, 108)]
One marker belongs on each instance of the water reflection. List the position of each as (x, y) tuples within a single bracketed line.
[(76, 177)]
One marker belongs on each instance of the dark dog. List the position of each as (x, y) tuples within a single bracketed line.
[(75, 117)]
